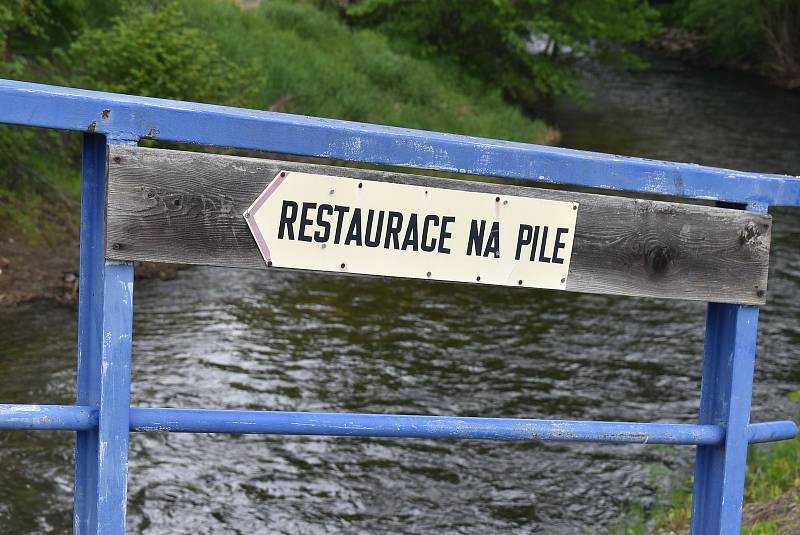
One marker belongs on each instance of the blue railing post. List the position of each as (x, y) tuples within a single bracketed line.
[(105, 313), (730, 349)]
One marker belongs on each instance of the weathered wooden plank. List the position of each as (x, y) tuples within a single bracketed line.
[(185, 207)]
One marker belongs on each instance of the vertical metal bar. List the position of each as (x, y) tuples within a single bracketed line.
[(105, 313), (90, 327), (730, 348), (115, 398)]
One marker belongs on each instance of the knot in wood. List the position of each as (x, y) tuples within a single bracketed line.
[(658, 259), (749, 232)]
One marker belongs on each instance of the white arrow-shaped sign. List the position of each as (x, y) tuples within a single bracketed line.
[(338, 224)]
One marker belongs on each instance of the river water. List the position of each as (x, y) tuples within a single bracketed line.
[(279, 340)]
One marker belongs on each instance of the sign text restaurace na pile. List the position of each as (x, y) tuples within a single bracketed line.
[(327, 223)]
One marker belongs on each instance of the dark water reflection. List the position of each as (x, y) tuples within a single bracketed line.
[(291, 341)]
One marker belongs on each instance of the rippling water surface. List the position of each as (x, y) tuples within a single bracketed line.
[(290, 341)]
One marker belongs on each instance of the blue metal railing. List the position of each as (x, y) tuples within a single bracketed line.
[(102, 416), (78, 418)]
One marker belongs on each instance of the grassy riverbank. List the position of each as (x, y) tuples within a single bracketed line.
[(772, 497)]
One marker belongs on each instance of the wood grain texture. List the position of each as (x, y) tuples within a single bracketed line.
[(186, 208)]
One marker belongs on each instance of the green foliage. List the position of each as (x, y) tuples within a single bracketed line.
[(764, 34), (27, 29), (152, 52), (762, 528), (20, 17), (636, 520), (31, 29), (733, 27), (38, 178), (633, 522), (314, 64), (493, 39), (22, 167), (773, 469)]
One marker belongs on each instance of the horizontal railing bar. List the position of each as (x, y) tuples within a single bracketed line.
[(448, 427), (132, 118), (771, 431), (48, 417), (78, 418)]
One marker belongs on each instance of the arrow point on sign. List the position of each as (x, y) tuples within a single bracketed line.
[(250, 214)]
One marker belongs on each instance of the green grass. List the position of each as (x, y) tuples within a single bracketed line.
[(636, 520), (772, 470), (314, 64), (39, 184)]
